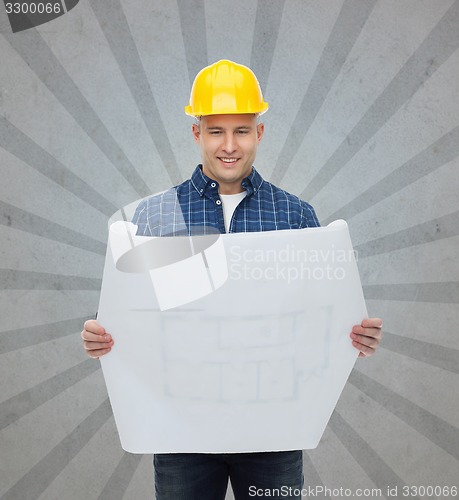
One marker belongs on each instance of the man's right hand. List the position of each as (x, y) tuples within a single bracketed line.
[(95, 340)]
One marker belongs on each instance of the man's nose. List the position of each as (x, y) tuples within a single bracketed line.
[(229, 145)]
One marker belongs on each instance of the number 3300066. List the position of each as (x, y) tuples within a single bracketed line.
[(33, 8)]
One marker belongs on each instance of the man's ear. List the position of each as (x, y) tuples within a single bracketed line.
[(260, 131), (196, 132)]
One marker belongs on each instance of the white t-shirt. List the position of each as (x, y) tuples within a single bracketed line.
[(229, 203)]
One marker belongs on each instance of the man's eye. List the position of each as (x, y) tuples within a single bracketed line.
[(242, 132), (215, 132)]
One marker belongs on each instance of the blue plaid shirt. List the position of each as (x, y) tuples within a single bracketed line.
[(195, 207)]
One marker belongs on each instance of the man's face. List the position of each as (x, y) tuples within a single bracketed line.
[(228, 146)]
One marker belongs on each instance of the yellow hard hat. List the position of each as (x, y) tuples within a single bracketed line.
[(225, 88)]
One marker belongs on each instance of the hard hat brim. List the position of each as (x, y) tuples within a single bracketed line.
[(189, 111)]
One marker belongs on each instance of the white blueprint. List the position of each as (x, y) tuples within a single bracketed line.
[(228, 343)]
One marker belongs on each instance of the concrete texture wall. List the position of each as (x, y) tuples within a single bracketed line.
[(363, 123)]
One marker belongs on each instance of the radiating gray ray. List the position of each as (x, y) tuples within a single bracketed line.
[(35, 482), (311, 476), (266, 31), (28, 151), (441, 42), (432, 427), (11, 340), (25, 402), (16, 218), (445, 358), (376, 468), (116, 29), (349, 24), (444, 292), (446, 226), (427, 161), (39, 57), (193, 22), (122, 475), (12, 279)]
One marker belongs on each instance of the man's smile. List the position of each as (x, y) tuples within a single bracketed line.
[(228, 161)]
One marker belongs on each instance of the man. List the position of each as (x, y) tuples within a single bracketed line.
[(226, 193)]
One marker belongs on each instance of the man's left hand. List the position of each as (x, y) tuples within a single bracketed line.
[(366, 336)]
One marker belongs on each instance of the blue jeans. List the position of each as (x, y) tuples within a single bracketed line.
[(204, 476)]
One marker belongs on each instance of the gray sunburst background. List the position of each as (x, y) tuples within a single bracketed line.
[(363, 124)]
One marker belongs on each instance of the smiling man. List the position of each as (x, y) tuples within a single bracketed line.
[(228, 145), (226, 194)]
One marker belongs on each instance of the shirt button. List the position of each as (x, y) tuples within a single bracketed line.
[(201, 190), (213, 184), (218, 202)]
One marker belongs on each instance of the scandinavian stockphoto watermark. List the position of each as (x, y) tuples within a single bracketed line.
[(341, 492), (289, 263), (27, 14)]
